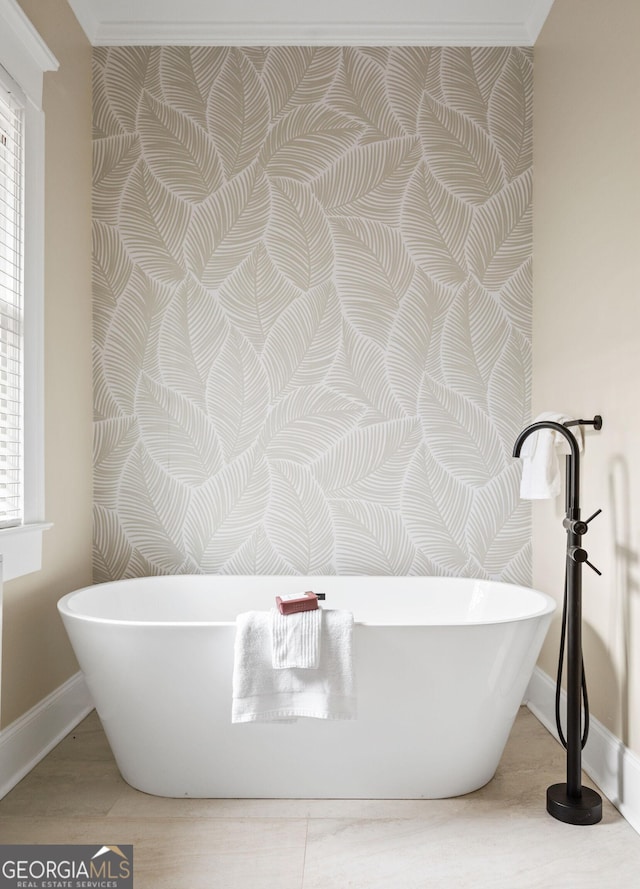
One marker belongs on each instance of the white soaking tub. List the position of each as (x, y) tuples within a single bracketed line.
[(441, 666)]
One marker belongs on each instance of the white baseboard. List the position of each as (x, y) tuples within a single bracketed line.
[(611, 765), (28, 740)]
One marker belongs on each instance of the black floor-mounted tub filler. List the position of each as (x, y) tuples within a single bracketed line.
[(571, 802)]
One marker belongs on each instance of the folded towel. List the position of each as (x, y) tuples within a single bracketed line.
[(262, 694), (541, 479), (295, 639)]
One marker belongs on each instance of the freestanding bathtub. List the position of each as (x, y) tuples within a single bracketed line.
[(441, 666)]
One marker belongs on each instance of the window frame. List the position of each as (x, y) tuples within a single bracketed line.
[(25, 57)]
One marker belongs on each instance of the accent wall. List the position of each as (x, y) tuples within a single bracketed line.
[(312, 310)]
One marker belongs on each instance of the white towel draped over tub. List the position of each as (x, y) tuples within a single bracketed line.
[(264, 694), (541, 478), (295, 639)]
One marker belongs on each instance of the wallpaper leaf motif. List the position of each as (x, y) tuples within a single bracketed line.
[(177, 151), (113, 161), (129, 336), (105, 406), (105, 122), (411, 71), (435, 226), (369, 462), (112, 444), (193, 331), (460, 84), (432, 492), (498, 521), (488, 64), (307, 422), (373, 272), (312, 290), (298, 237), (181, 87), (498, 241), (460, 435), (370, 539), (255, 295), (370, 181), (237, 395), (509, 113), (238, 113), (112, 271), (489, 327), (257, 556), (472, 335), (301, 345), (153, 225), (298, 521), (509, 382), (152, 507), (125, 75), (226, 510), (306, 141), (225, 228), (515, 298), (112, 550), (298, 75), (459, 152), (170, 423), (409, 343), (360, 91), (359, 371)]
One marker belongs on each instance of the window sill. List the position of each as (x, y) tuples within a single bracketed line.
[(21, 549)]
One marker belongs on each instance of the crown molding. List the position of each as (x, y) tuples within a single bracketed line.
[(358, 23), (87, 21), (537, 18), (24, 53), (317, 34)]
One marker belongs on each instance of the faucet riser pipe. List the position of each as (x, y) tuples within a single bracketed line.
[(574, 671)]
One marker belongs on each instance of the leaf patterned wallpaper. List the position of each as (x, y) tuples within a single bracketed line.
[(312, 310)]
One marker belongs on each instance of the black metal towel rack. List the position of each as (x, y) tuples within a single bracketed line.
[(570, 801)]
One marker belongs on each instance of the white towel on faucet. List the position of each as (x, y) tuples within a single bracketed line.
[(264, 694), (295, 639), (541, 478)]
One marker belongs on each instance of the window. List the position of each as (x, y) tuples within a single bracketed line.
[(11, 296), (23, 60)]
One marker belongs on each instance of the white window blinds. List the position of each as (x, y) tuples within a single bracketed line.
[(11, 292)]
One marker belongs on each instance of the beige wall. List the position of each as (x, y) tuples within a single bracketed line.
[(587, 323), (36, 654)]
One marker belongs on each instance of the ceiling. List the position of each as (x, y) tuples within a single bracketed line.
[(342, 22)]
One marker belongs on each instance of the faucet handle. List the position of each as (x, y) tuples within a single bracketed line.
[(593, 568), (579, 526), (578, 554)]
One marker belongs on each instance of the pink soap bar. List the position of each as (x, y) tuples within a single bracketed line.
[(297, 602)]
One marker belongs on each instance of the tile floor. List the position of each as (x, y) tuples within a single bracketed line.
[(499, 836)]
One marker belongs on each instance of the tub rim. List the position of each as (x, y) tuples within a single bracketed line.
[(548, 603)]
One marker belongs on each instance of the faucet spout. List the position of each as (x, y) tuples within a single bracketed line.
[(573, 459)]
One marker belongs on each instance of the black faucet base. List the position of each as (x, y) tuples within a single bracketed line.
[(583, 809)]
